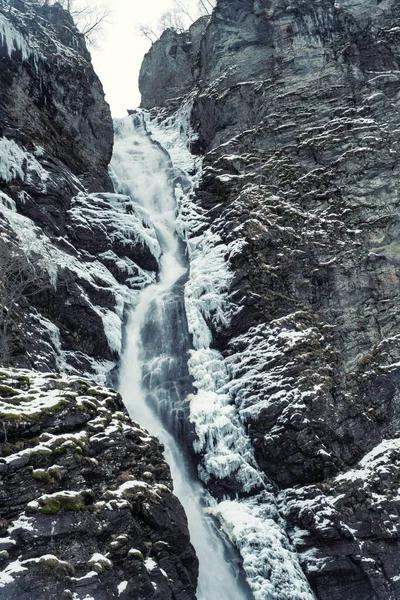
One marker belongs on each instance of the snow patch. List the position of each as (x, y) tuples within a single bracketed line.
[(8, 575), (17, 163)]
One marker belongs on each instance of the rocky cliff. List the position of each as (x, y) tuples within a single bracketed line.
[(86, 502), (292, 109), (80, 255)]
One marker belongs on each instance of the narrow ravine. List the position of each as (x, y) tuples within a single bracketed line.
[(153, 376)]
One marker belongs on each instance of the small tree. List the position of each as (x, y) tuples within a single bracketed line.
[(146, 31), (178, 18), (171, 19), (205, 7), (20, 277), (88, 17)]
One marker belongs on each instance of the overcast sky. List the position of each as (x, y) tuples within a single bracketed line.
[(118, 58)]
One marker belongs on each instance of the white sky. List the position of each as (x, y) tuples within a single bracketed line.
[(117, 60)]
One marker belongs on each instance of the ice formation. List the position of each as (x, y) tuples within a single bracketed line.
[(254, 524), (14, 41)]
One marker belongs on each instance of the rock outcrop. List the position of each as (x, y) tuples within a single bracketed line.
[(171, 67), (86, 502), (295, 106)]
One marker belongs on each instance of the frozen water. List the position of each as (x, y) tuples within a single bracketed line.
[(17, 163), (216, 409), (13, 39)]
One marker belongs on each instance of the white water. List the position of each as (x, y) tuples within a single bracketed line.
[(142, 171)]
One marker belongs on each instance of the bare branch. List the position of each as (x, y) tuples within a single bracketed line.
[(181, 7), (171, 19), (183, 14), (88, 18), (206, 6), (20, 277), (147, 32)]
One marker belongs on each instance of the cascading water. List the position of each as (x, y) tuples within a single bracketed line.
[(153, 377)]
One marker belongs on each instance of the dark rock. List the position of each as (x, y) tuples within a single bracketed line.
[(56, 139), (169, 68), (87, 497)]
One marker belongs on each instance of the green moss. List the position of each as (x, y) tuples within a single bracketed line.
[(10, 417), (18, 399), (55, 472), (42, 475), (79, 385), (52, 564), (110, 403), (52, 410), (60, 568), (86, 403), (50, 507), (60, 450), (34, 416), (7, 392), (17, 380), (53, 504), (74, 504), (96, 392)]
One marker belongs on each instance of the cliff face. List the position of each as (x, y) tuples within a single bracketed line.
[(80, 255), (86, 502), (296, 111), (171, 67), (50, 91)]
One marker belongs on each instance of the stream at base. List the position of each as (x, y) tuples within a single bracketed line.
[(153, 377)]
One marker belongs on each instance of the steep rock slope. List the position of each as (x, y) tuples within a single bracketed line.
[(293, 239), (86, 503), (78, 251)]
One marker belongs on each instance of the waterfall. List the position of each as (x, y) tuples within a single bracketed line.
[(154, 377)]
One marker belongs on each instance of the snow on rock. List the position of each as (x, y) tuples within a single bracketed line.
[(115, 216), (17, 163), (7, 576), (14, 40), (87, 495), (94, 275), (122, 587)]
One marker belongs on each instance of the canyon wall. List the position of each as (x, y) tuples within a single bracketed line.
[(294, 110), (86, 255), (86, 497)]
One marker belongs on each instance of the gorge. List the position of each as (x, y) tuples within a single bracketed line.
[(229, 261)]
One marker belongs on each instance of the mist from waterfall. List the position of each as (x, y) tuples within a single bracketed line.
[(153, 377)]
